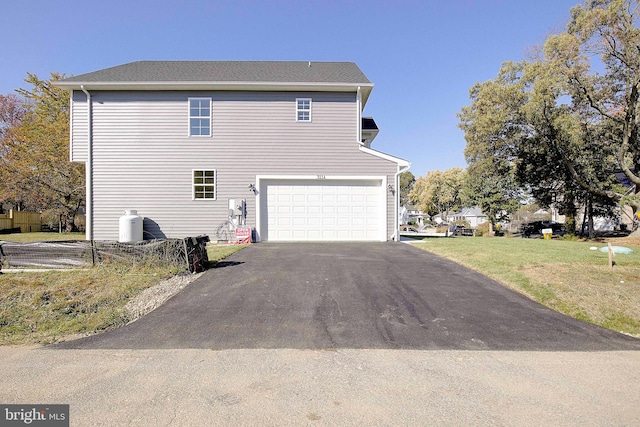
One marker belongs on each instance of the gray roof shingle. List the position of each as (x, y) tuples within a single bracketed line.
[(227, 71)]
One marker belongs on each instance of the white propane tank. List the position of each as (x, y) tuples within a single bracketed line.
[(130, 227)]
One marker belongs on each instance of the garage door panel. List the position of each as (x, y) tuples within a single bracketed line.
[(314, 211), (314, 221), (344, 222), (358, 221), (311, 235), (329, 222), (343, 210), (297, 235), (283, 209), (357, 210), (329, 210), (283, 221)]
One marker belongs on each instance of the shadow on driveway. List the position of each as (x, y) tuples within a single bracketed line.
[(351, 295)]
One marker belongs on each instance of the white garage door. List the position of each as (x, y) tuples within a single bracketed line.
[(329, 210)]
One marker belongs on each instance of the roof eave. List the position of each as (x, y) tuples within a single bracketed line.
[(208, 85)]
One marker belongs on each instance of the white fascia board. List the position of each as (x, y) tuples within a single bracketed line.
[(401, 162), (209, 85)]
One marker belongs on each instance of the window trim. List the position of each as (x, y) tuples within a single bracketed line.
[(194, 184), (199, 98), (303, 110)]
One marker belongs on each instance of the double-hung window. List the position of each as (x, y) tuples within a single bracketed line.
[(303, 109), (199, 116), (204, 184)]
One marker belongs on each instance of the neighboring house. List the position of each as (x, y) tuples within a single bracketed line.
[(176, 140), (415, 215), (473, 216), (552, 214)]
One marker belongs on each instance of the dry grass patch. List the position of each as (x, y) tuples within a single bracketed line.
[(594, 293), (46, 307)]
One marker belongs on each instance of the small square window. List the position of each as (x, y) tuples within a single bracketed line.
[(199, 116), (204, 184), (303, 109)]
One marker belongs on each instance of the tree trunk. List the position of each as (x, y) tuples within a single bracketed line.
[(592, 232), (584, 218), (570, 213)]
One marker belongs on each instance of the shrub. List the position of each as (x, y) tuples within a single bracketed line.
[(483, 229)]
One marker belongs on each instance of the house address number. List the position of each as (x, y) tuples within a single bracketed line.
[(322, 177)]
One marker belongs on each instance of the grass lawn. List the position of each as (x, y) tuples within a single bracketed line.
[(43, 307), (564, 275), (41, 237)]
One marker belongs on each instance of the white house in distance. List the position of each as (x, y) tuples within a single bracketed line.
[(176, 140), (473, 216), (412, 213)]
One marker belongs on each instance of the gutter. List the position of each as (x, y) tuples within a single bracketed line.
[(396, 221), (89, 167)]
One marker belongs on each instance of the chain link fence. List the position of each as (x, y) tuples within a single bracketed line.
[(189, 253)]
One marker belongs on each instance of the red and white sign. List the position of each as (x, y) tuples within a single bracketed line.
[(243, 235)]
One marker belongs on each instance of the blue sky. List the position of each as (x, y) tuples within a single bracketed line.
[(422, 56)]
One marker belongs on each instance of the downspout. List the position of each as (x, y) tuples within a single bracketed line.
[(396, 234), (359, 118), (89, 167)]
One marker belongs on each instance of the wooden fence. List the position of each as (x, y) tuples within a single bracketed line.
[(5, 222), (31, 222), (27, 221)]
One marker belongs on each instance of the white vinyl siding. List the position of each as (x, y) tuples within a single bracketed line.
[(303, 109), (79, 127), (144, 159)]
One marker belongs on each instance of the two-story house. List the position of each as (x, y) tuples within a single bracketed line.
[(176, 140)]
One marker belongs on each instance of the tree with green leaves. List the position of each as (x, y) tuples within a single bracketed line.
[(438, 193), (407, 179), (489, 184), (562, 129), (12, 111), (605, 29), (34, 153)]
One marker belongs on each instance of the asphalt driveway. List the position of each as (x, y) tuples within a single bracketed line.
[(351, 295)]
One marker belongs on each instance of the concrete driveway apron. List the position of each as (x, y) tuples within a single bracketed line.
[(351, 295)]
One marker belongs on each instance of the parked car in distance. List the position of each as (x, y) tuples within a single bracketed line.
[(460, 230), (535, 228)]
